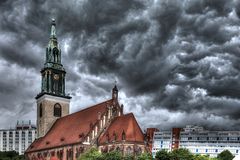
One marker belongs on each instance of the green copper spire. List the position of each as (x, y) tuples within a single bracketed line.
[(53, 73), (53, 51), (53, 29)]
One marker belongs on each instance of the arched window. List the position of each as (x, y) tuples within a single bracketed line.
[(55, 55), (40, 110), (57, 110), (129, 150), (123, 136), (115, 136), (139, 150), (118, 149)]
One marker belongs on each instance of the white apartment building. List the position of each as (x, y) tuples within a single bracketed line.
[(198, 141), (17, 139)]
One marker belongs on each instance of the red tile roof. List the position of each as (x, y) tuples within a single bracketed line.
[(127, 124), (67, 130)]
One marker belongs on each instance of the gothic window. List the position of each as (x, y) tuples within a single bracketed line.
[(69, 154), (123, 136), (57, 110), (55, 54), (56, 83), (139, 151), (129, 150), (118, 149), (108, 137), (40, 110), (114, 136)]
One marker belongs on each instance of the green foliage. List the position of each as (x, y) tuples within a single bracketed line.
[(178, 154), (92, 154), (163, 155), (185, 154), (225, 155), (144, 156), (114, 155), (181, 154), (128, 157), (10, 155), (201, 157)]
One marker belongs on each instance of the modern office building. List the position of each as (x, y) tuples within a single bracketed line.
[(17, 139), (197, 140)]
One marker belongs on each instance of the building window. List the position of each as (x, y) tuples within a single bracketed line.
[(40, 110), (118, 149), (139, 151), (114, 136), (57, 110), (216, 150), (237, 151), (129, 150), (123, 136)]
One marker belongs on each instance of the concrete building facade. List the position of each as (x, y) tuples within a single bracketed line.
[(197, 140), (17, 139)]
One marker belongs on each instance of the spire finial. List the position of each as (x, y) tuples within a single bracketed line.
[(115, 91), (53, 29), (115, 85)]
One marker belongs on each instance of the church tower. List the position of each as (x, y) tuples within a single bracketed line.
[(52, 102)]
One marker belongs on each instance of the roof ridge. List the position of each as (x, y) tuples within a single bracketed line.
[(84, 109)]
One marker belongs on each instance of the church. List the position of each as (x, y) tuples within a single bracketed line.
[(64, 136)]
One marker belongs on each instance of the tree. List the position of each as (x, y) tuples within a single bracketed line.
[(92, 154), (144, 156), (225, 155), (181, 154), (10, 155), (163, 155), (201, 157), (113, 155), (128, 157)]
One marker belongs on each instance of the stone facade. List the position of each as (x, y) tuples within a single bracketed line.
[(17, 139), (46, 119)]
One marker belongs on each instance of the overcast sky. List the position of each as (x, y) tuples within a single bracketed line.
[(176, 62)]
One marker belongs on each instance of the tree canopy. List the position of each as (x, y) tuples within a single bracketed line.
[(94, 154), (11, 155), (225, 155), (184, 154)]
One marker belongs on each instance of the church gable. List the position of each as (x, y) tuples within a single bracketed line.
[(123, 128)]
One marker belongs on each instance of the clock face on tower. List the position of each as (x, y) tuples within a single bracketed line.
[(56, 77)]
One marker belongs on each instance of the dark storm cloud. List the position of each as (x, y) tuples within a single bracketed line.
[(178, 56)]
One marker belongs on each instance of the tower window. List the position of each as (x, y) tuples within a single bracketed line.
[(123, 136), (57, 110), (40, 110)]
